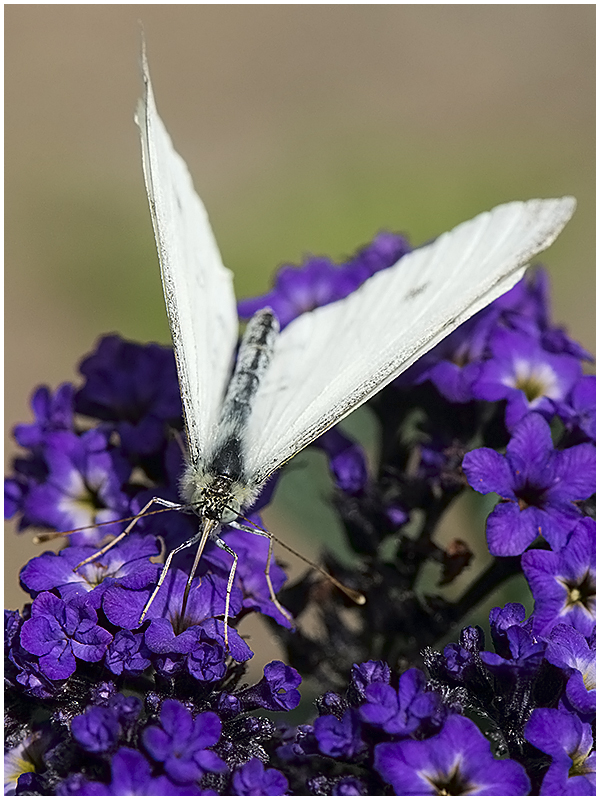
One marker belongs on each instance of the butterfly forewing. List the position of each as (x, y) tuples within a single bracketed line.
[(329, 361), (198, 288)]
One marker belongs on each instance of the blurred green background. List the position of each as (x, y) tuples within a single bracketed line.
[(307, 129)]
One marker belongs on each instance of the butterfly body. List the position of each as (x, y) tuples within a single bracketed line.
[(218, 484)]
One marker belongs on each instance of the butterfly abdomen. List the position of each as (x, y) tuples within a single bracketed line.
[(255, 353)]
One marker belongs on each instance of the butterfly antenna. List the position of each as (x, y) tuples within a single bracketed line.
[(355, 596), (41, 538)]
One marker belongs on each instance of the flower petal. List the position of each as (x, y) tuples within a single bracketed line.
[(488, 471)]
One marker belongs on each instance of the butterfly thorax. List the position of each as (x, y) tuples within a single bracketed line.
[(213, 496)]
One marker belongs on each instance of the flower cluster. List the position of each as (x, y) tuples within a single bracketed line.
[(98, 703)]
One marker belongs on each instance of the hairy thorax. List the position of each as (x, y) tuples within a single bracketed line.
[(217, 497)]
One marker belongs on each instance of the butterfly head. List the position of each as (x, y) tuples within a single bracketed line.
[(217, 497)]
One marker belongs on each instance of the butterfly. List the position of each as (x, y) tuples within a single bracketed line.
[(246, 417)]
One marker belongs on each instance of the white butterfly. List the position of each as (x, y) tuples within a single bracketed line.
[(288, 388)]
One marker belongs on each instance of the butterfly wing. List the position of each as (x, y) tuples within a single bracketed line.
[(198, 288), (331, 360)]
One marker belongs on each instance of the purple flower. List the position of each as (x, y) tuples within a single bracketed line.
[(458, 664), (518, 654), (276, 691), (578, 412), (206, 661), (472, 638), (528, 377), (172, 637), (539, 485), (349, 786), (525, 658), (346, 461), (331, 703), (384, 251), (59, 631), (126, 566), (455, 364), (298, 290), (29, 473), (24, 672), (127, 654), (181, 742), (102, 692), (15, 490), (501, 621), (569, 741), (319, 282), (131, 775), (12, 626), (252, 779), (127, 707), (526, 308), (228, 705), (82, 488), (134, 386), (96, 730), (52, 413), (363, 675), (457, 761), (569, 650), (405, 711), (124, 607), (339, 738), (23, 759), (563, 584)]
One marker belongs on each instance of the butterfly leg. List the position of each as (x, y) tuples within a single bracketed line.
[(165, 569), (238, 526), (158, 500), (220, 543), (209, 526)]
